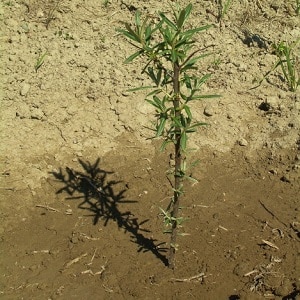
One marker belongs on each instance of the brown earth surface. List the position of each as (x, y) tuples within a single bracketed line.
[(81, 183)]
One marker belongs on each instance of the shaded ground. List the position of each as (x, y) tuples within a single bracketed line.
[(81, 186)]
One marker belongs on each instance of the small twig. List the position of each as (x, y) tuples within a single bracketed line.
[(75, 260), (89, 271), (92, 273), (47, 207), (88, 237), (270, 244), (221, 227), (93, 257), (250, 273), (196, 277), (40, 251)]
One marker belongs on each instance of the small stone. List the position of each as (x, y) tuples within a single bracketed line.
[(208, 110), (25, 89), (95, 27), (274, 102), (40, 13), (242, 67), (37, 114), (216, 216), (74, 240), (243, 142), (286, 178), (273, 171), (69, 211)]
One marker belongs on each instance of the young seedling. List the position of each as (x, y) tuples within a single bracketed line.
[(288, 62), (40, 61), (51, 13), (223, 9), (165, 44)]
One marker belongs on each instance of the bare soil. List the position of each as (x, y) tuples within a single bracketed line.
[(82, 183)]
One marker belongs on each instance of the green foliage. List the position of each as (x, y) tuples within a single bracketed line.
[(288, 63), (223, 8), (51, 13), (40, 61), (166, 46)]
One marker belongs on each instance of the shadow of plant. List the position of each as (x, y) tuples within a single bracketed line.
[(100, 197)]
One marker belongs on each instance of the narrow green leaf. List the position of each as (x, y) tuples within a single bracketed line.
[(181, 19), (203, 97), (168, 37), (187, 81), (188, 112), (161, 127), (133, 56), (168, 21), (138, 18), (198, 124), (189, 33), (183, 121), (157, 91), (154, 104), (40, 61), (159, 104), (164, 145), (159, 76), (183, 141), (188, 65), (203, 79), (174, 56), (143, 27), (140, 88), (131, 33), (183, 96), (177, 122), (182, 41), (151, 74), (148, 33), (188, 10)]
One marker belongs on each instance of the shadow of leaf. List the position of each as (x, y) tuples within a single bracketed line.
[(102, 199)]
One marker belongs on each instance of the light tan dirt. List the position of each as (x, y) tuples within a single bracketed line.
[(81, 183)]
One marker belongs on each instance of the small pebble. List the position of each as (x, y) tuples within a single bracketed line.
[(25, 89), (208, 110), (243, 142)]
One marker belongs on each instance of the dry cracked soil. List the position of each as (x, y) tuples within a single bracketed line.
[(82, 183)]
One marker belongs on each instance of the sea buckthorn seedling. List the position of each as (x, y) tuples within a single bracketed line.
[(166, 46), (288, 63)]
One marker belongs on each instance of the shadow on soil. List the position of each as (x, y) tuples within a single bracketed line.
[(102, 198)]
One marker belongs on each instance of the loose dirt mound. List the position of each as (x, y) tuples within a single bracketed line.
[(81, 185)]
